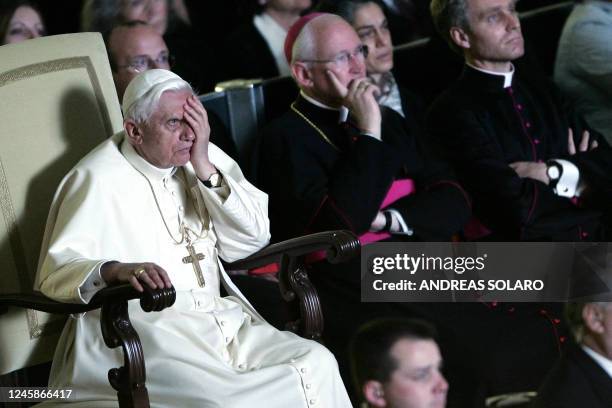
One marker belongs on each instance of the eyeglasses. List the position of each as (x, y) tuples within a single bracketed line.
[(24, 32), (142, 63), (342, 60)]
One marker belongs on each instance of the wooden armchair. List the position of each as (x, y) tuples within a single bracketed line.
[(129, 379), (117, 330)]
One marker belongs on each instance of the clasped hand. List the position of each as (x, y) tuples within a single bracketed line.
[(537, 171)]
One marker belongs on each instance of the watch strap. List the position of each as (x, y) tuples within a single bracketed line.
[(208, 183)]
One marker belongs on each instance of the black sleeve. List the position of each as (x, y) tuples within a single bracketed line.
[(503, 201), (440, 207), (313, 187), (246, 55)]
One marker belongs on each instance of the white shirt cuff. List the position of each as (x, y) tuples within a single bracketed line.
[(93, 283), (404, 229), (569, 182)]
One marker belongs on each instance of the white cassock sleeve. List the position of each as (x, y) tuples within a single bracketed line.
[(238, 210), (70, 254)]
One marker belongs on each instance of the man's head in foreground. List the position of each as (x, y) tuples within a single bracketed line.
[(396, 363)]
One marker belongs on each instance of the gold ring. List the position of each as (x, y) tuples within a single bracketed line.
[(138, 272)]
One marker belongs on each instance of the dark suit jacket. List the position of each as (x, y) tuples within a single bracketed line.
[(576, 381), (481, 128), (195, 59)]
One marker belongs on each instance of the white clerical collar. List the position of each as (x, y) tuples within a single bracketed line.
[(274, 34), (147, 169), (343, 111), (604, 362), (507, 75)]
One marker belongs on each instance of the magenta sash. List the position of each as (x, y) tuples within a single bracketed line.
[(399, 189)]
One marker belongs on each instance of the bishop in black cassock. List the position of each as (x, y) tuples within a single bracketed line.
[(323, 171), (321, 174)]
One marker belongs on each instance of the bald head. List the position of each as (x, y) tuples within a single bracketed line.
[(327, 46), (315, 35), (133, 48)]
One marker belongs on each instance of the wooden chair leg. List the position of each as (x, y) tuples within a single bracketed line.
[(128, 380)]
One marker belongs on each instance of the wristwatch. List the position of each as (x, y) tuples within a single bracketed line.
[(554, 171), (213, 181)]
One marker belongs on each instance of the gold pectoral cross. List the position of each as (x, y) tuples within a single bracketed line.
[(194, 259)]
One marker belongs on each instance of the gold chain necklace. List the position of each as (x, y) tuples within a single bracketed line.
[(319, 131), (184, 231)]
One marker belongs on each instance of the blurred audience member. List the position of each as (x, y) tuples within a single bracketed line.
[(135, 47), (153, 12), (102, 15), (368, 19), (583, 376), (20, 20), (583, 69), (409, 19), (396, 363), (217, 19), (194, 59), (255, 50)]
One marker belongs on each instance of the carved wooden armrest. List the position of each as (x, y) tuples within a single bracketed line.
[(117, 330), (339, 246)]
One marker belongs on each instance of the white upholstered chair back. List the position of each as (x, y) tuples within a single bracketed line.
[(57, 101)]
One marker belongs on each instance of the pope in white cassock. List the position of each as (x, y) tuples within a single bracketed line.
[(134, 210)]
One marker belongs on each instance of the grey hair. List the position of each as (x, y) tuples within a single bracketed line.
[(573, 314), (345, 8), (447, 14), (102, 15), (143, 108), (99, 15)]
